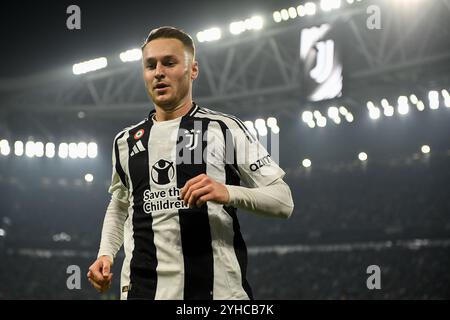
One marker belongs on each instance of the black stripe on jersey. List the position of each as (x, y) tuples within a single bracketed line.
[(143, 276), (241, 125), (194, 223), (240, 247), (119, 168)]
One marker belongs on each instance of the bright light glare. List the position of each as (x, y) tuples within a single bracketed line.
[(18, 148), (91, 65), (310, 8), (82, 150), (271, 122), (362, 156), (306, 163), (433, 96), (425, 149), (49, 150), (5, 149), (63, 150), (29, 149), (211, 34), (39, 149), (92, 150), (307, 116), (277, 16), (131, 55), (89, 177)]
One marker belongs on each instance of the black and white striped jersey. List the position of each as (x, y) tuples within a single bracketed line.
[(171, 250)]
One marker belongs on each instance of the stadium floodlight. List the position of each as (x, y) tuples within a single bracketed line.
[(63, 150), (433, 96), (5, 149), (2, 232), (350, 1), (292, 13), (275, 129), (39, 149), (349, 117), (73, 150), (90, 65), (92, 150), (388, 111), (29, 149), (317, 114), (413, 98), (403, 106), (253, 23), (310, 8), (277, 16), (284, 14), (322, 122), (337, 120), (311, 124), (88, 177), (82, 150), (333, 112), (343, 110), (211, 34), (306, 163), (260, 125), (370, 105), (362, 156), (301, 12), (374, 113), (328, 5), (446, 98), (131, 55), (420, 105), (49, 149), (425, 149), (18, 148), (271, 122), (307, 116), (385, 103)]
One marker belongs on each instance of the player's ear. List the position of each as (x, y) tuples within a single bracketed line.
[(194, 70)]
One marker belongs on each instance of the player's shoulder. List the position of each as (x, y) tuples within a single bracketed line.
[(129, 128), (231, 121)]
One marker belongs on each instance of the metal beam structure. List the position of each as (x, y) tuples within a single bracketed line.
[(258, 72)]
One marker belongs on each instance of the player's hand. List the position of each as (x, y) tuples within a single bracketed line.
[(99, 274), (202, 188)]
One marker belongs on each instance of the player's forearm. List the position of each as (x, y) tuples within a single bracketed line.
[(274, 200), (113, 226)]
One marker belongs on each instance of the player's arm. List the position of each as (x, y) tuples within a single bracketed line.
[(274, 200), (99, 274)]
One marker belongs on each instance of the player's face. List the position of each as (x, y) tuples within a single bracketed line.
[(168, 72)]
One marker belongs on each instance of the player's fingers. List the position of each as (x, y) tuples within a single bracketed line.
[(191, 182), (198, 193), (199, 184), (95, 272), (95, 285), (106, 269), (203, 199)]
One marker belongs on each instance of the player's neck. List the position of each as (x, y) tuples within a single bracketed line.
[(173, 113)]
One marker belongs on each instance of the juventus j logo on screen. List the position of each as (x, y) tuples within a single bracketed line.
[(192, 135)]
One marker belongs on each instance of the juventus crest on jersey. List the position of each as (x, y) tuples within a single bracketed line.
[(173, 251)]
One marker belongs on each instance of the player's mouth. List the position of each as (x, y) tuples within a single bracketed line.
[(161, 87)]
